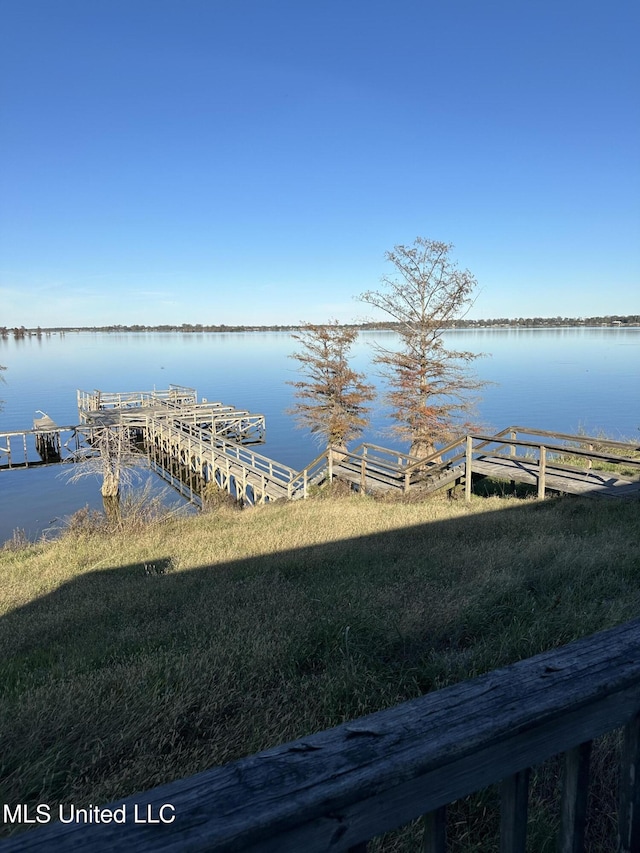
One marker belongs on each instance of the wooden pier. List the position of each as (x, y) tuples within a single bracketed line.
[(199, 445), (194, 445)]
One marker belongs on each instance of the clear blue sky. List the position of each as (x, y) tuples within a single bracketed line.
[(249, 161)]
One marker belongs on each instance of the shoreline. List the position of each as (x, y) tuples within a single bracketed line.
[(630, 322)]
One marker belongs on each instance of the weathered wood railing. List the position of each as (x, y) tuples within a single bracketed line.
[(237, 425), (394, 469), (317, 469), (372, 464), (215, 458), (21, 449), (544, 453), (92, 401), (401, 470), (337, 789)]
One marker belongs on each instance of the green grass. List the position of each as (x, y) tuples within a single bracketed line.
[(142, 653)]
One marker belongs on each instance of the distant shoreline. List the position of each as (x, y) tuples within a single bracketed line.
[(612, 321)]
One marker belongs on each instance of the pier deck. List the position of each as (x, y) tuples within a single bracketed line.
[(558, 478)]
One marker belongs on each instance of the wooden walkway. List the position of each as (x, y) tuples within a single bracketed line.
[(564, 464), (556, 462), (193, 445), (558, 479), (201, 445)]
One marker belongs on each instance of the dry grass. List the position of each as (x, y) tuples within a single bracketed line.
[(601, 445), (133, 656)]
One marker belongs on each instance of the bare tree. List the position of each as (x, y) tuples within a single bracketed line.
[(430, 386), (112, 456), (332, 396)]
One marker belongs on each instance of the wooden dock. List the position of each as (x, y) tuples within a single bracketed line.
[(197, 446), (193, 445)]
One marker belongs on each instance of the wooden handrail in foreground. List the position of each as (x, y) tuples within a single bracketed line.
[(335, 790)]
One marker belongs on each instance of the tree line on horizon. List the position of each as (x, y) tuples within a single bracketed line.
[(371, 325)]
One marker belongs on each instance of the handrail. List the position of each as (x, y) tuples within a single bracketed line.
[(339, 788), (260, 464), (300, 480), (374, 463), (431, 460), (115, 399), (40, 430), (391, 452), (560, 449), (521, 442), (583, 439), (311, 464), (506, 437)]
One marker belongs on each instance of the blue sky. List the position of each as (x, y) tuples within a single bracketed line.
[(170, 161)]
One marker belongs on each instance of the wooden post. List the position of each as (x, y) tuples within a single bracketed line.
[(542, 472), (512, 447), (573, 807), (304, 487), (363, 471), (513, 812), (629, 814), (330, 463), (590, 461), (435, 831), (467, 470)]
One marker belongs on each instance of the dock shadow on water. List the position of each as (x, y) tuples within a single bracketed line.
[(129, 676)]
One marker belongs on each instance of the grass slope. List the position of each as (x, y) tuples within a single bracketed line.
[(132, 657)]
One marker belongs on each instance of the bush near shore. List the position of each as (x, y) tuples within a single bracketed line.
[(141, 652)]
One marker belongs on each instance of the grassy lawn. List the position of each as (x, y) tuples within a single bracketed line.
[(134, 656)]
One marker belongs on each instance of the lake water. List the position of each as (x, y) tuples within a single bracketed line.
[(556, 379)]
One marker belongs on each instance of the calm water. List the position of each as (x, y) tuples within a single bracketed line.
[(555, 379)]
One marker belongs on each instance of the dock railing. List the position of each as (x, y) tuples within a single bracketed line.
[(220, 453), (338, 789), (93, 401), (545, 453), (300, 481), (401, 470)]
